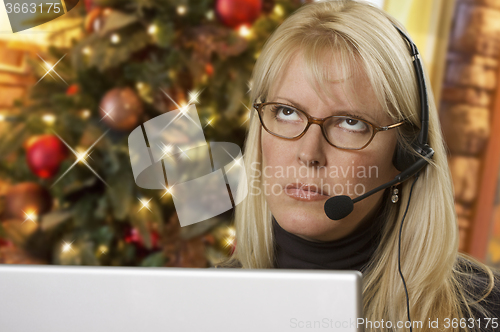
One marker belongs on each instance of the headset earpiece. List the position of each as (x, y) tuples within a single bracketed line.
[(402, 158)]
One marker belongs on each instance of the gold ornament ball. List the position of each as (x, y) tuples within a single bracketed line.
[(121, 108), (27, 200)]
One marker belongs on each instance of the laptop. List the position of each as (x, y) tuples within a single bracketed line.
[(53, 298)]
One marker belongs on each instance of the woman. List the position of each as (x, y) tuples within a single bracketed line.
[(347, 59)]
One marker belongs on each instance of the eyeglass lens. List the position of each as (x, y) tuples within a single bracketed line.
[(341, 131)]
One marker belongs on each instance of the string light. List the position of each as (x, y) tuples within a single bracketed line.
[(278, 10), (244, 31), (181, 10), (210, 15), (231, 230), (49, 119), (115, 38), (152, 29), (85, 114), (103, 250), (172, 74)]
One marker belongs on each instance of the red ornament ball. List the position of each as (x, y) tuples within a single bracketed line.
[(121, 108), (27, 198), (234, 13), (44, 155)]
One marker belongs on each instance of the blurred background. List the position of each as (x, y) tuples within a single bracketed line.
[(73, 88)]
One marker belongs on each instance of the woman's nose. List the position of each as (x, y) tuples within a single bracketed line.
[(311, 147)]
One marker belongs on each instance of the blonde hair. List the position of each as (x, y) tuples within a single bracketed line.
[(439, 279)]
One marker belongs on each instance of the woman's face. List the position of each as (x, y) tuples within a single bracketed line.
[(311, 160)]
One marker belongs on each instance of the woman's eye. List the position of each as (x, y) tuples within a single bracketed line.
[(287, 114), (353, 125)]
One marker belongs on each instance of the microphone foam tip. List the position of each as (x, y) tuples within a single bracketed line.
[(338, 207)]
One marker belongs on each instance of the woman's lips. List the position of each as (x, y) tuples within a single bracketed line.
[(304, 194)]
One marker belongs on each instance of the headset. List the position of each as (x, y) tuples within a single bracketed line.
[(403, 160)]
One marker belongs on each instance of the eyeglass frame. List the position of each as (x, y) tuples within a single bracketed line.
[(321, 121)]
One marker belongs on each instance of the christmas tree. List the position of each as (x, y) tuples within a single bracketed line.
[(72, 198)]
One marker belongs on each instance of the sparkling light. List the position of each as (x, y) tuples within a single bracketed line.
[(145, 204), (166, 150), (193, 96), (237, 162), (182, 110), (2, 117), (30, 215), (107, 114), (49, 119), (115, 38), (231, 238), (183, 154), (248, 114), (103, 249), (50, 69), (168, 190), (209, 121), (67, 246), (80, 158), (81, 154), (229, 242), (87, 50), (250, 85), (181, 10)]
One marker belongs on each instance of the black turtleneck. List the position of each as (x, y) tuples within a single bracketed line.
[(351, 252)]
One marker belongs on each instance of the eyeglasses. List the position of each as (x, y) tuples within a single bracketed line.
[(342, 131)]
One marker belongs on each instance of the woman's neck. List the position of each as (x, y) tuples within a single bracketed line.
[(351, 252)]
